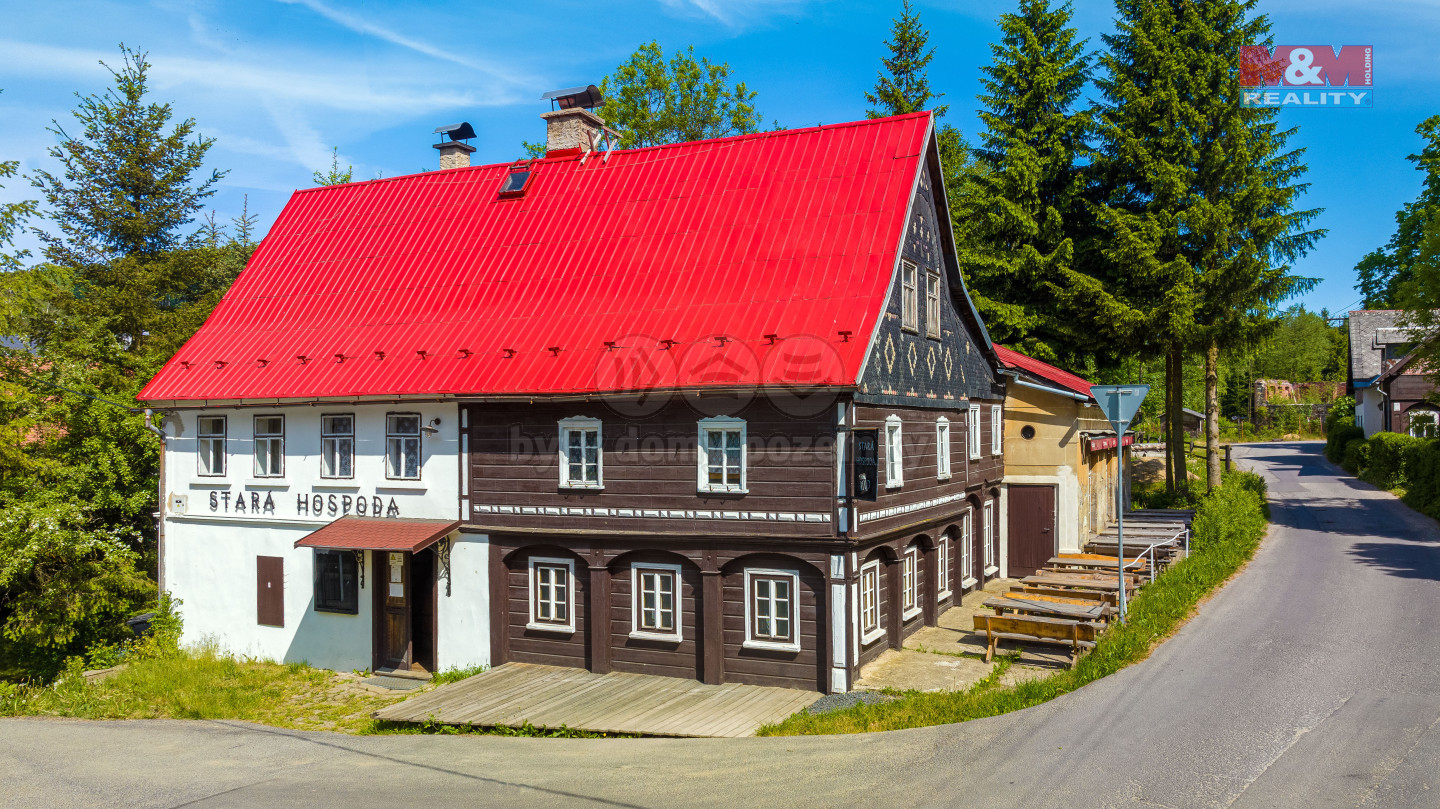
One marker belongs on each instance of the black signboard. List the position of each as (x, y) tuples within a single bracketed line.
[(864, 466)]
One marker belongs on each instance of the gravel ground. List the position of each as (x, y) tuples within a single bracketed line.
[(834, 702)]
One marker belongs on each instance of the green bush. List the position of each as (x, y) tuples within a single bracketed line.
[(1234, 513), (1356, 456), (1384, 466), (1422, 477), (1338, 437)]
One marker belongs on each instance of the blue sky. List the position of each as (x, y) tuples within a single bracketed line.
[(277, 83)]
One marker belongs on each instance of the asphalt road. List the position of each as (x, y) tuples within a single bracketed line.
[(1311, 680)]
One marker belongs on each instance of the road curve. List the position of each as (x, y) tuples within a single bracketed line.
[(1311, 680)]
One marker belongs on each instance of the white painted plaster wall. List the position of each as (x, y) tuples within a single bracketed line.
[(211, 546), (1369, 410)]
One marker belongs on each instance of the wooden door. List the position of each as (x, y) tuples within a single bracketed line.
[(1032, 528), (270, 590), (393, 596)]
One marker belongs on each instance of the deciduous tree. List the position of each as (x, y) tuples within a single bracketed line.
[(650, 101)]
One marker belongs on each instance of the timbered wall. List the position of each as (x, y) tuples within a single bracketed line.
[(712, 602), (650, 471)]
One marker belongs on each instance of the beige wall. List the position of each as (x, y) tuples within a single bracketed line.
[(1085, 482)]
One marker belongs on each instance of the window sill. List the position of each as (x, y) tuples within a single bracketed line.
[(894, 484), (581, 487), (992, 570), (656, 636), (942, 477), (267, 483), (210, 483), (942, 595), (867, 638), (771, 646), (967, 583), (558, 629), (722, 491), (333, 611), (396, 486), (910, 613)]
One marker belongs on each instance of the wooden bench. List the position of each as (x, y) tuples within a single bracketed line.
[(1097, 562), (1088, 595), (1034, 629), (1049, 606)]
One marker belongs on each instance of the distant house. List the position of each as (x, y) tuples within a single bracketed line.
[(1405, 388), (1385, 383), (1061, 467)]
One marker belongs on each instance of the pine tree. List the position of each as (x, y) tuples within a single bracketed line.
[(12, 219), (1023, 204), (334, 176), (904, 86), (245, 225), (1195, 218)]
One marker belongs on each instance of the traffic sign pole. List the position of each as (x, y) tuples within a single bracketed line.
[(1119, 404)]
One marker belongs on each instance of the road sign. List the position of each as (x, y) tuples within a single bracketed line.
[(1119, 403)]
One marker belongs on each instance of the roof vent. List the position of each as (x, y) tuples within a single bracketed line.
[(585, 98), (453, 153)]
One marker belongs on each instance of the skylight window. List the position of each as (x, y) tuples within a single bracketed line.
[(515, 181)]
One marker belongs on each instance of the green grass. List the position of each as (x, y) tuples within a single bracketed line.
[(205, 684), (456, 675), (1228, 528)]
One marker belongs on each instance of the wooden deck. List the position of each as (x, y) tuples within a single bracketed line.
[(551, 696)]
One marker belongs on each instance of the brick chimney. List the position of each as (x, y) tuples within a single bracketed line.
[(571, 129), (454, 153)]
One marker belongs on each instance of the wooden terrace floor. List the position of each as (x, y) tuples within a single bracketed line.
[(551, 696)]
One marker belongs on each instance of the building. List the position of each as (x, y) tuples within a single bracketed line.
[(1407, 398), (1061, 463), (719, 410), (1378, 343)]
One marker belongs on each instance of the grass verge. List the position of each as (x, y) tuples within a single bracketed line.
[(1228, 527), (206, 684)]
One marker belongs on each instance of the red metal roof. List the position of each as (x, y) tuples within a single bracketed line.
[(578, 284), (374, 534), (1044, 370)]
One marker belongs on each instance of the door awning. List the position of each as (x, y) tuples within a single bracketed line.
[(353, 533)]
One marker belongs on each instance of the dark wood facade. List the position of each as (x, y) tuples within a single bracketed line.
[(795, 515)]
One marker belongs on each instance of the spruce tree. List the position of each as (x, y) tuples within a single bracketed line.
[(904, 86), (1196, 223), (334, 176), (1023, 206)]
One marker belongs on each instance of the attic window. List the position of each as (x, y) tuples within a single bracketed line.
[(515, 182)]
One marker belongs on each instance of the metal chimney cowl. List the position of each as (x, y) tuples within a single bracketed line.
[(574, 128)]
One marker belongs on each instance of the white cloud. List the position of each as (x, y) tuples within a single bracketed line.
[(734, 13), (362, 26), (324, 86)]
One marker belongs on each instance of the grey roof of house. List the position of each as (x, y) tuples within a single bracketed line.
[(1370, 331)]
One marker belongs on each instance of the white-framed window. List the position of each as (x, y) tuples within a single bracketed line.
[(987, 531), (932, 305), (942, 567), (910, 582), (894, 453), (967, 554), (1423, 424), (552, 594), (212, 446), (942, 448), (770, 609), (997, 421), (655, 607), (337, 446), (909, 297), (269, 446), (974, 425), (402, 446), (870, 602), (580, 461), (721, 455)]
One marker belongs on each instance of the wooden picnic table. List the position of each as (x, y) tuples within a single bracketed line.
[(1049, 607), (1095, 561), (1050, 578)]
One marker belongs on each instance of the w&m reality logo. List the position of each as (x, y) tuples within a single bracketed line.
[(1305, 76)]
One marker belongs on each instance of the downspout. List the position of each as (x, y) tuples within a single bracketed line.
[(160, 511)]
